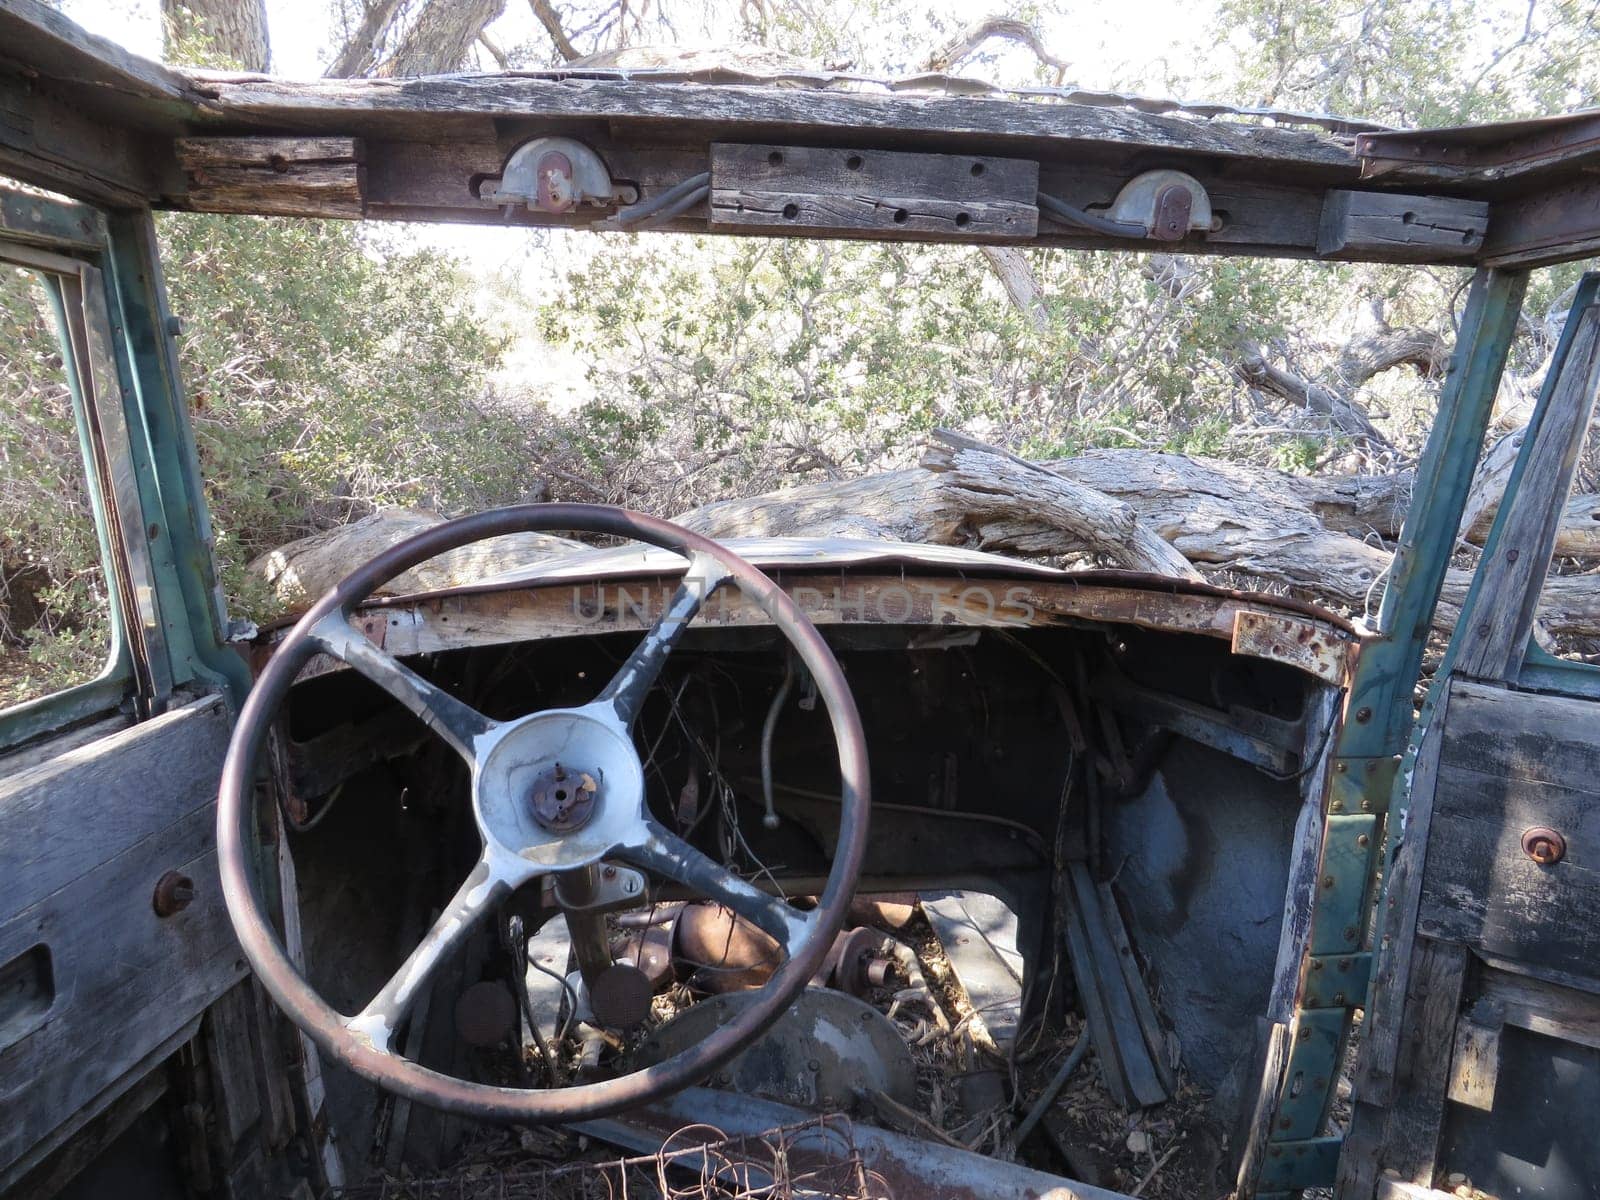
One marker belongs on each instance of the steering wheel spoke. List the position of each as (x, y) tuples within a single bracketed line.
[(628, 686), (385, 1012), (455, 721), (669, 856)]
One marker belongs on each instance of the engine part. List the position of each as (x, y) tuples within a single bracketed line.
[(647, 948), (728, 953), (822, 1052), (891, 910), (865, 961)]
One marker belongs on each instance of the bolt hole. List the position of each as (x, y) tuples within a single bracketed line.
[(963, 220), (853, 162), (977, 169), (776, 158), (791, 211), (1407, 218), (561, 793), (900, 216)]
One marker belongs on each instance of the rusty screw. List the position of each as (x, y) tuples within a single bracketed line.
[(173, 894), (1544, 845)]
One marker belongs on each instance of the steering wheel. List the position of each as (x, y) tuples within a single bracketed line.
[(530, 828)]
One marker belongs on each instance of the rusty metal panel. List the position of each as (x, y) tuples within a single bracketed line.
[(1308, 645)]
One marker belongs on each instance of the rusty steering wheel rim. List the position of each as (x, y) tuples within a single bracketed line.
[(329, 1030)]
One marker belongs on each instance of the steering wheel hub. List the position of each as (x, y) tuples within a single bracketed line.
[(563, 798)]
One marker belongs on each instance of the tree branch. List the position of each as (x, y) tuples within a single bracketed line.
[(551, 20), (1007, 29), (1012, 269)]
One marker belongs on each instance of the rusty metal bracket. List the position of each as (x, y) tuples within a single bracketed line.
[(1308, 1079), (1335, 980), (1293, 1166), (1309, 645), (1344, 884), (1362, 785)]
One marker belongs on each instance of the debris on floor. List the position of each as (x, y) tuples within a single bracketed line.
[(936, 990)]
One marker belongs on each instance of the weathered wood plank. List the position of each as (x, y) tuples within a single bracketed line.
[(275, 176), (1431, 227), (980, 940), (359, 104), (904, 215), (1118, 1033), (1437, 976), (124, 978), (127, 978), (831, 170), (846, 191), (1523, 736), (1544, 1008), (106, 783), (1377, 1060), (1305, 859), (1550, 224), (1511, 580), (1510, 761), (1475, 1060)]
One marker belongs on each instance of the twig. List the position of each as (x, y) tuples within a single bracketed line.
[(892, 1110), (1156, 1170)]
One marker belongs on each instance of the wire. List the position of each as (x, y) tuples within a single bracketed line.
[(674, 210), (770, 820), (572, 998), (666, 204), (321, 814), (1066, 214)]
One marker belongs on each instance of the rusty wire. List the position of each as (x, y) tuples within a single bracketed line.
[(808, 1160)]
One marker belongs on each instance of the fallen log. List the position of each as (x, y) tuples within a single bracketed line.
[(1225, 517), (1145, 511), (302, 570)]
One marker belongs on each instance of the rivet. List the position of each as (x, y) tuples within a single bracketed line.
[(1362, 839), (1511, 555), (1363, 715)]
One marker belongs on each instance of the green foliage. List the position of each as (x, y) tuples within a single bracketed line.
[(738, 366), (55, 617), (1413, 62), (328, 372)]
